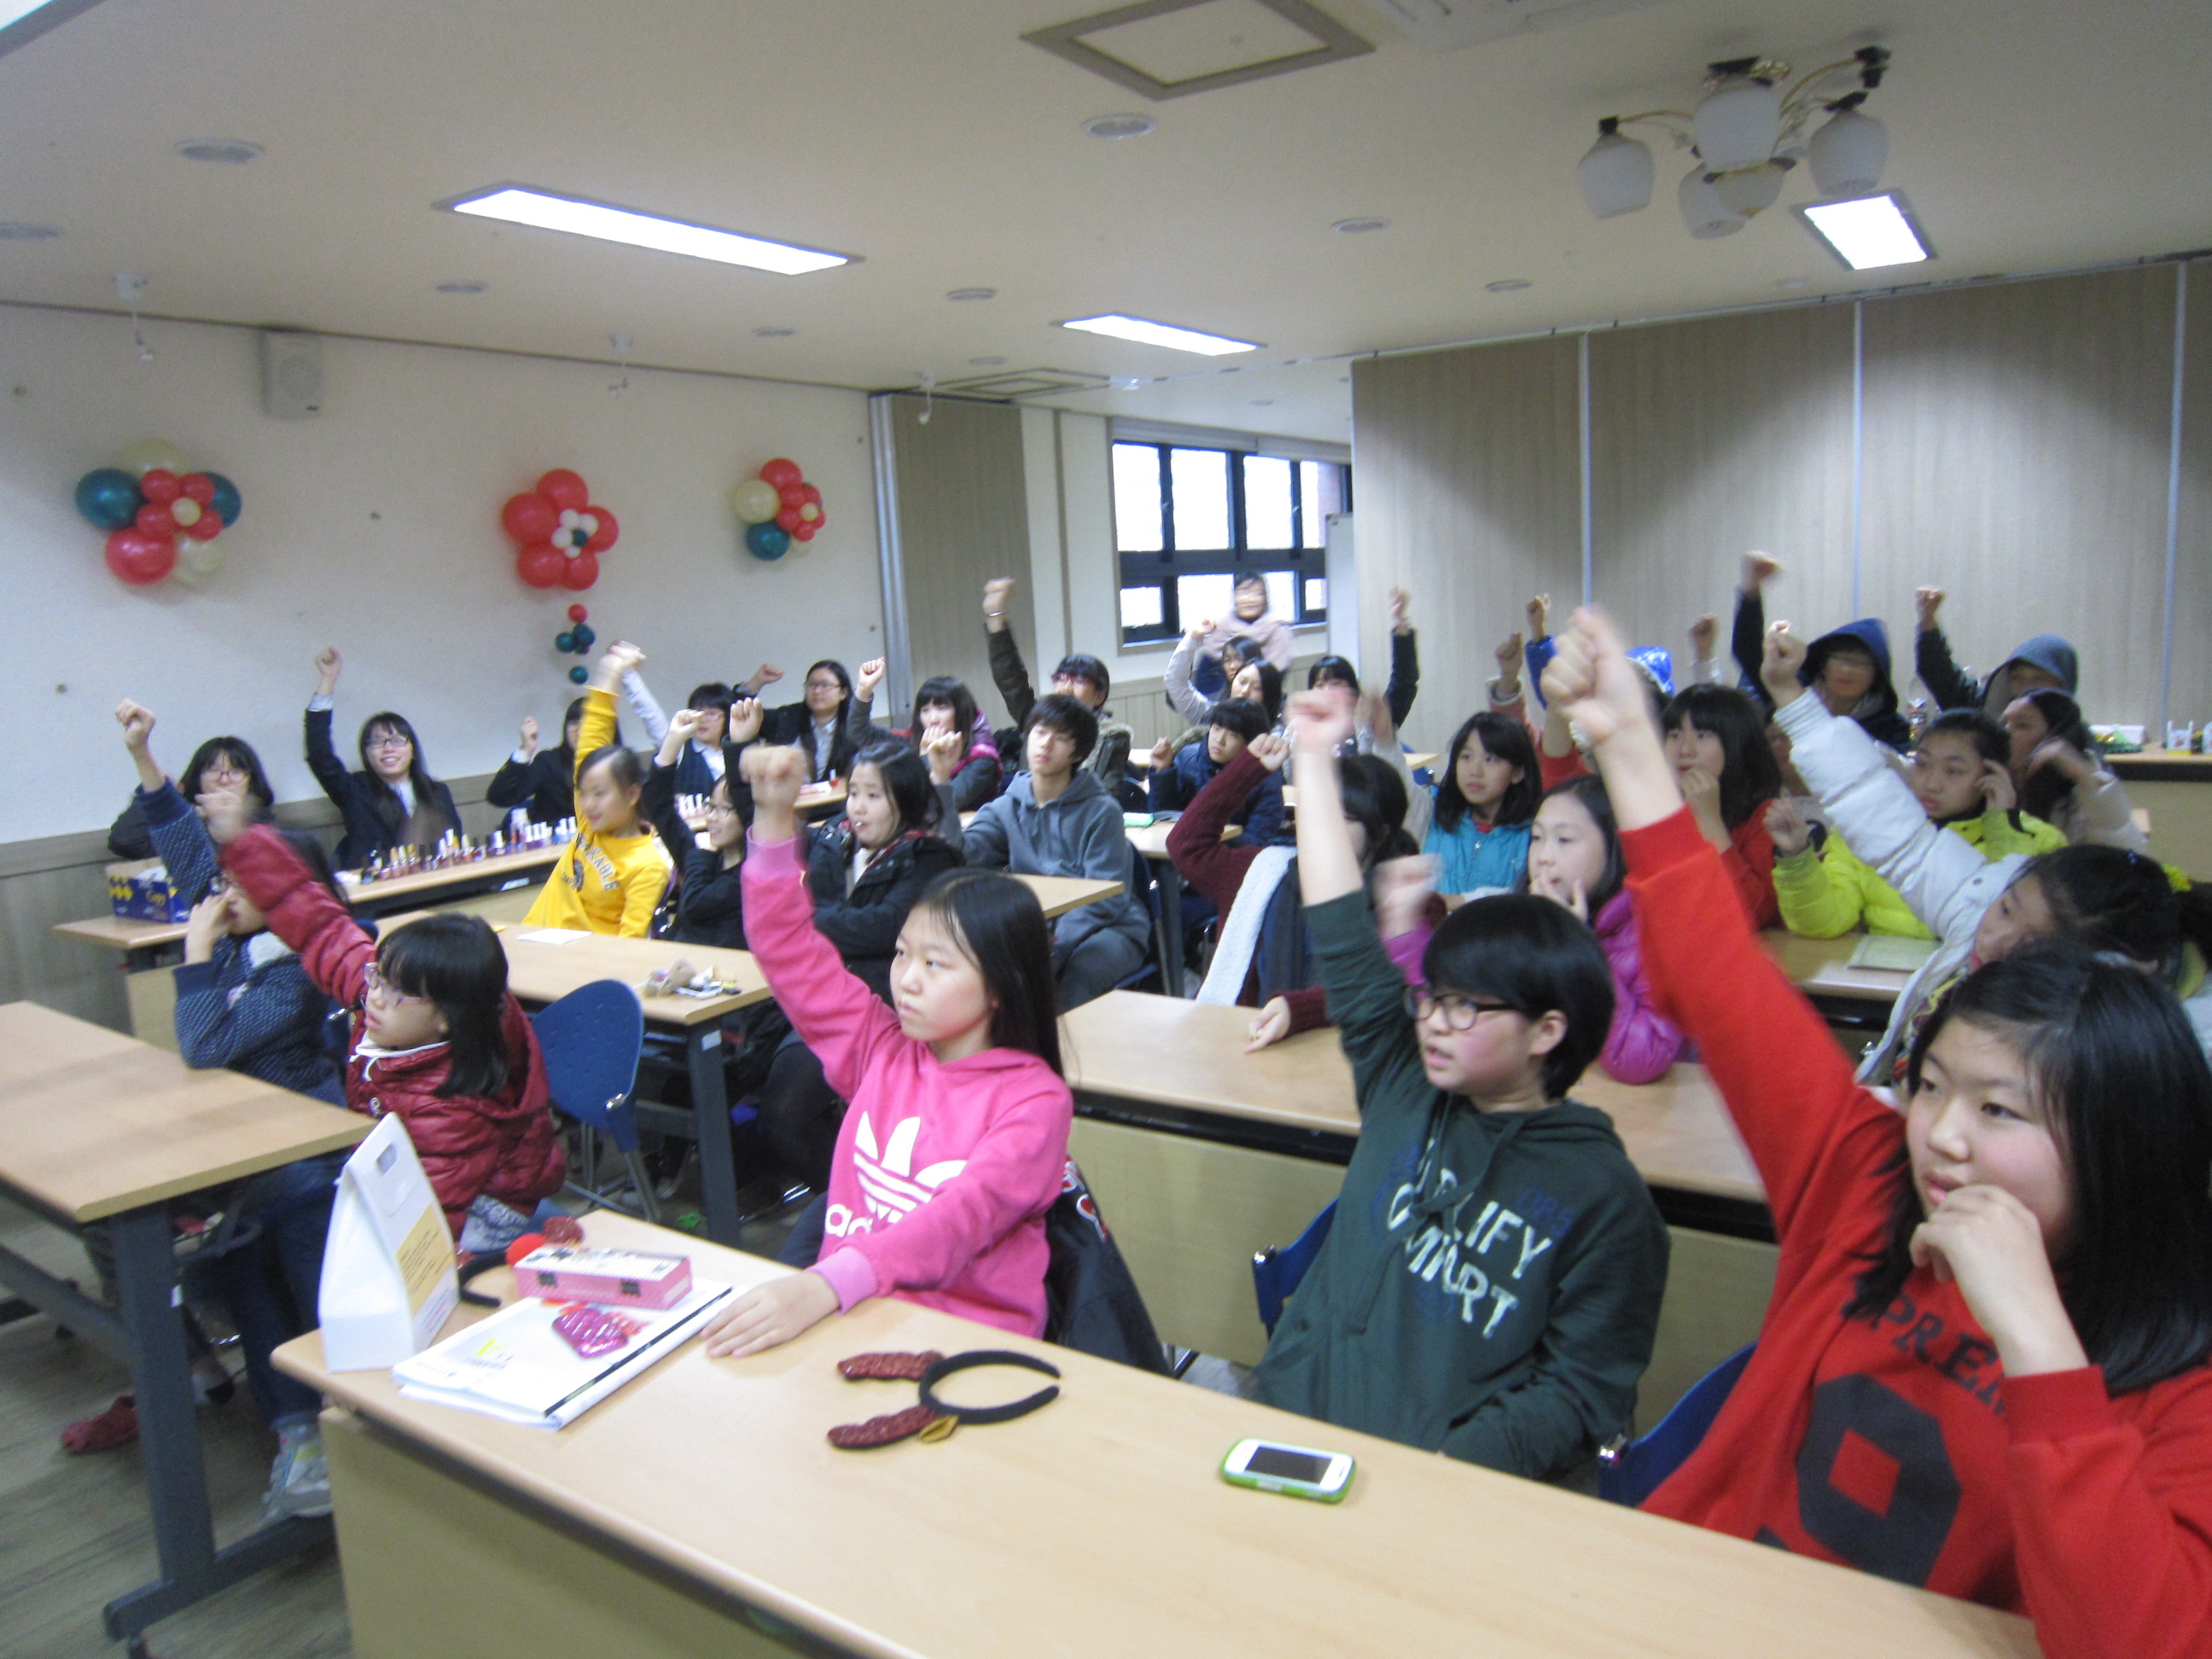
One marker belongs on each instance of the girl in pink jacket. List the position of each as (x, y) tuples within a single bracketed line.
[(956, 1138)]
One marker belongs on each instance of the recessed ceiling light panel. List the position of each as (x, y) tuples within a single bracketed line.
[(20, 230), (22, 22), (1120, 126), (1869, 233), (229, 152), (520, 204), (1146, 332)]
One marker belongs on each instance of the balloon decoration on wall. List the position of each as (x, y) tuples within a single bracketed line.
[(161, 515), (559, 532), (577, 639), (779, 508)]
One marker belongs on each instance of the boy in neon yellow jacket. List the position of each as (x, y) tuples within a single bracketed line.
[(611, 878)]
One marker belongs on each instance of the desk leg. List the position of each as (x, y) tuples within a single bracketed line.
[(1170, 882), (710, 1107), (169, 1435)]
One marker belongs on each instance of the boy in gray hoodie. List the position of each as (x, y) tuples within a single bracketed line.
[(1489, 1287)]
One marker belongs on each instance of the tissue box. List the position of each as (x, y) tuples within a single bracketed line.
[(141, 892), (623, 1278)]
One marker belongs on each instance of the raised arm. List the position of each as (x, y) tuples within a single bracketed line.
[(322, 758), (647, 708), (1405, 659), (1194, 844), (1175, 678), (1008, 673), (1931, 655)]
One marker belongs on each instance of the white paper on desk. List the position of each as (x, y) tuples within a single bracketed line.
[(553, 935), (516, 1367), (1892, 952)]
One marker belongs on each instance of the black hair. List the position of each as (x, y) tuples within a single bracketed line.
[(954, 694), (313, 853), (567, 752), (1249, 578), (383, 799), (1271, 684), (906, 780), (2111, 899), (625, 766), (1978, 727), (1535, 957), (1332, 670), (1375, 798), (713, 694), (240, 753), (1246, 652), (2128, 1097), (2041, 791), (1501, 738), (1071, 715), (997, 920), (1750, 775), (1082, 666), (836, 668), (1240, 716), (1589, 789), (455, 960)]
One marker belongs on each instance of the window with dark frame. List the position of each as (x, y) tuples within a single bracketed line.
[(1190, 519)]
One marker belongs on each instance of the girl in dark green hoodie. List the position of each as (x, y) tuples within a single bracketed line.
[(1491, 1285)]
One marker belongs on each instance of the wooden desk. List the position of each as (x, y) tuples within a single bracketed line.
[(701, 1506), (97, 1127), (1821, 967), (1060, 893), (1201, 1154)]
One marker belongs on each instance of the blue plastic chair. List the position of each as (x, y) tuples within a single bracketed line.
[(1277, 1271), (590, 1040), (1634, 1472)]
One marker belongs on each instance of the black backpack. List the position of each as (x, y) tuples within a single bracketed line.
[(1091, 1303)]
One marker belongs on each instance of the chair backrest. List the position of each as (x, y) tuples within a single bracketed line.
[(1636, 1472), (591, 1039), (1276, 1272)]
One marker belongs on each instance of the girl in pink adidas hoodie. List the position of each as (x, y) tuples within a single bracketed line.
[(954, 1144)]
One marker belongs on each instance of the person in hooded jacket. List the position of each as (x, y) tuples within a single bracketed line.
[(1489, 1287), (2046, 662), (1849, 668)]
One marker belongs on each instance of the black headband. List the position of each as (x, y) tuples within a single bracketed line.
[(961, 1361)]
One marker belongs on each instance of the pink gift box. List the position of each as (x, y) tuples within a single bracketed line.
[(625, 1279)]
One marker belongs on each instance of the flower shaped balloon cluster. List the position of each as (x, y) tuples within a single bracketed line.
[(558, 532)]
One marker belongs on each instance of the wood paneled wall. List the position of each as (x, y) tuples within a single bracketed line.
[(2015, 448), (1466, 491)]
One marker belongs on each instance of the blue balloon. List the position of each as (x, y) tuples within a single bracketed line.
[(585, 638), (108, 498), (564, 642), (580, 674), (226, 503), (768, 540)]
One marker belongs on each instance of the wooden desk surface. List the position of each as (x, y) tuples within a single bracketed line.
[(1102, 1521), (1822, 967), (1060, 893), (93, 1124), (121, 933), (1151, 839), (1190, 1054)]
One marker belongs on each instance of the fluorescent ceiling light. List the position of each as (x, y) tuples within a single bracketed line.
[(1161, 334), (518, 204), (1869, 233), (25, 20)]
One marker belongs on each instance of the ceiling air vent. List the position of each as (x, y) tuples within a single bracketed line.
[(1172, 48), (1009, 384), (1442, 24)]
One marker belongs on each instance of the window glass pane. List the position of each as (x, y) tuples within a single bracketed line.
[(1200, 599), (1140, 607), (1317, 595), (1267, 502), (1137, 498), (1283, 594), (1200, 483), (1321, 487)]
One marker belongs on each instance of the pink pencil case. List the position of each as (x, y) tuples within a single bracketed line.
[(626, 1279)]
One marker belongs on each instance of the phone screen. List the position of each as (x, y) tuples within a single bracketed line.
[(1282, 1464)]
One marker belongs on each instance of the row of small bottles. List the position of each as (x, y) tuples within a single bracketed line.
[(522, 836)]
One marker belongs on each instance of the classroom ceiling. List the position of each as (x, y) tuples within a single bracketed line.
[(927, 137)]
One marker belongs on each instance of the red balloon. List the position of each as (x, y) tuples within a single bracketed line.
[(156, 520), (529, 519), (804, 532), (160, 486), (791, 495), (782, 474), (540, 566), (210, 525), (788, 520), (564, 489), (197, 487), (141, 560), (580, 572), (604, 536), (809, 494), (577, 613)]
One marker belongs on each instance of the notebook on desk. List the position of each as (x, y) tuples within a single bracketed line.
[(1892, 952)]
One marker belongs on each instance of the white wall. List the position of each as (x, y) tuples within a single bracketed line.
[(374, 527)]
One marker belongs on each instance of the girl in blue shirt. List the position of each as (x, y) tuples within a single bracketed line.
[(1486, 803)]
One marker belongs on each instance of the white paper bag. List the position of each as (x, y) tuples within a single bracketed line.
[(389, 1283)]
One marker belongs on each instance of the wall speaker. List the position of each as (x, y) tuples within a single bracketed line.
[(291, 375)]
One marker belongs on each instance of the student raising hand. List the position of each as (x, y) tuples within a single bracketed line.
[(870, 677), (1926, 601), (1270, 749), (619, 659), (1591, 679), (777, 774), (1540, 616), (328, 666), (528, 734), (744, 721), (682, 727), (137, 723), (943, 748), (1784, 655)]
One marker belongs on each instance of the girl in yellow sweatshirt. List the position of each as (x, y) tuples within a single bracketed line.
[(611, 878)]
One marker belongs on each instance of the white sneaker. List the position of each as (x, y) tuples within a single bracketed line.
[(299, 1479)]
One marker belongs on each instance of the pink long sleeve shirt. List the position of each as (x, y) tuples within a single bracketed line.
[(943, 1173)]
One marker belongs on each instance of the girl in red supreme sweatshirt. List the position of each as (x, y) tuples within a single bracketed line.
[(1983, 1368), (954, 1146)]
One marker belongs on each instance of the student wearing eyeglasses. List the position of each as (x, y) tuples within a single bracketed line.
[(392, 801)]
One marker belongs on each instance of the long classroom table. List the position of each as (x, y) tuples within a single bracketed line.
[(699, 1509), (1202, 1155), (98, 1128)]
